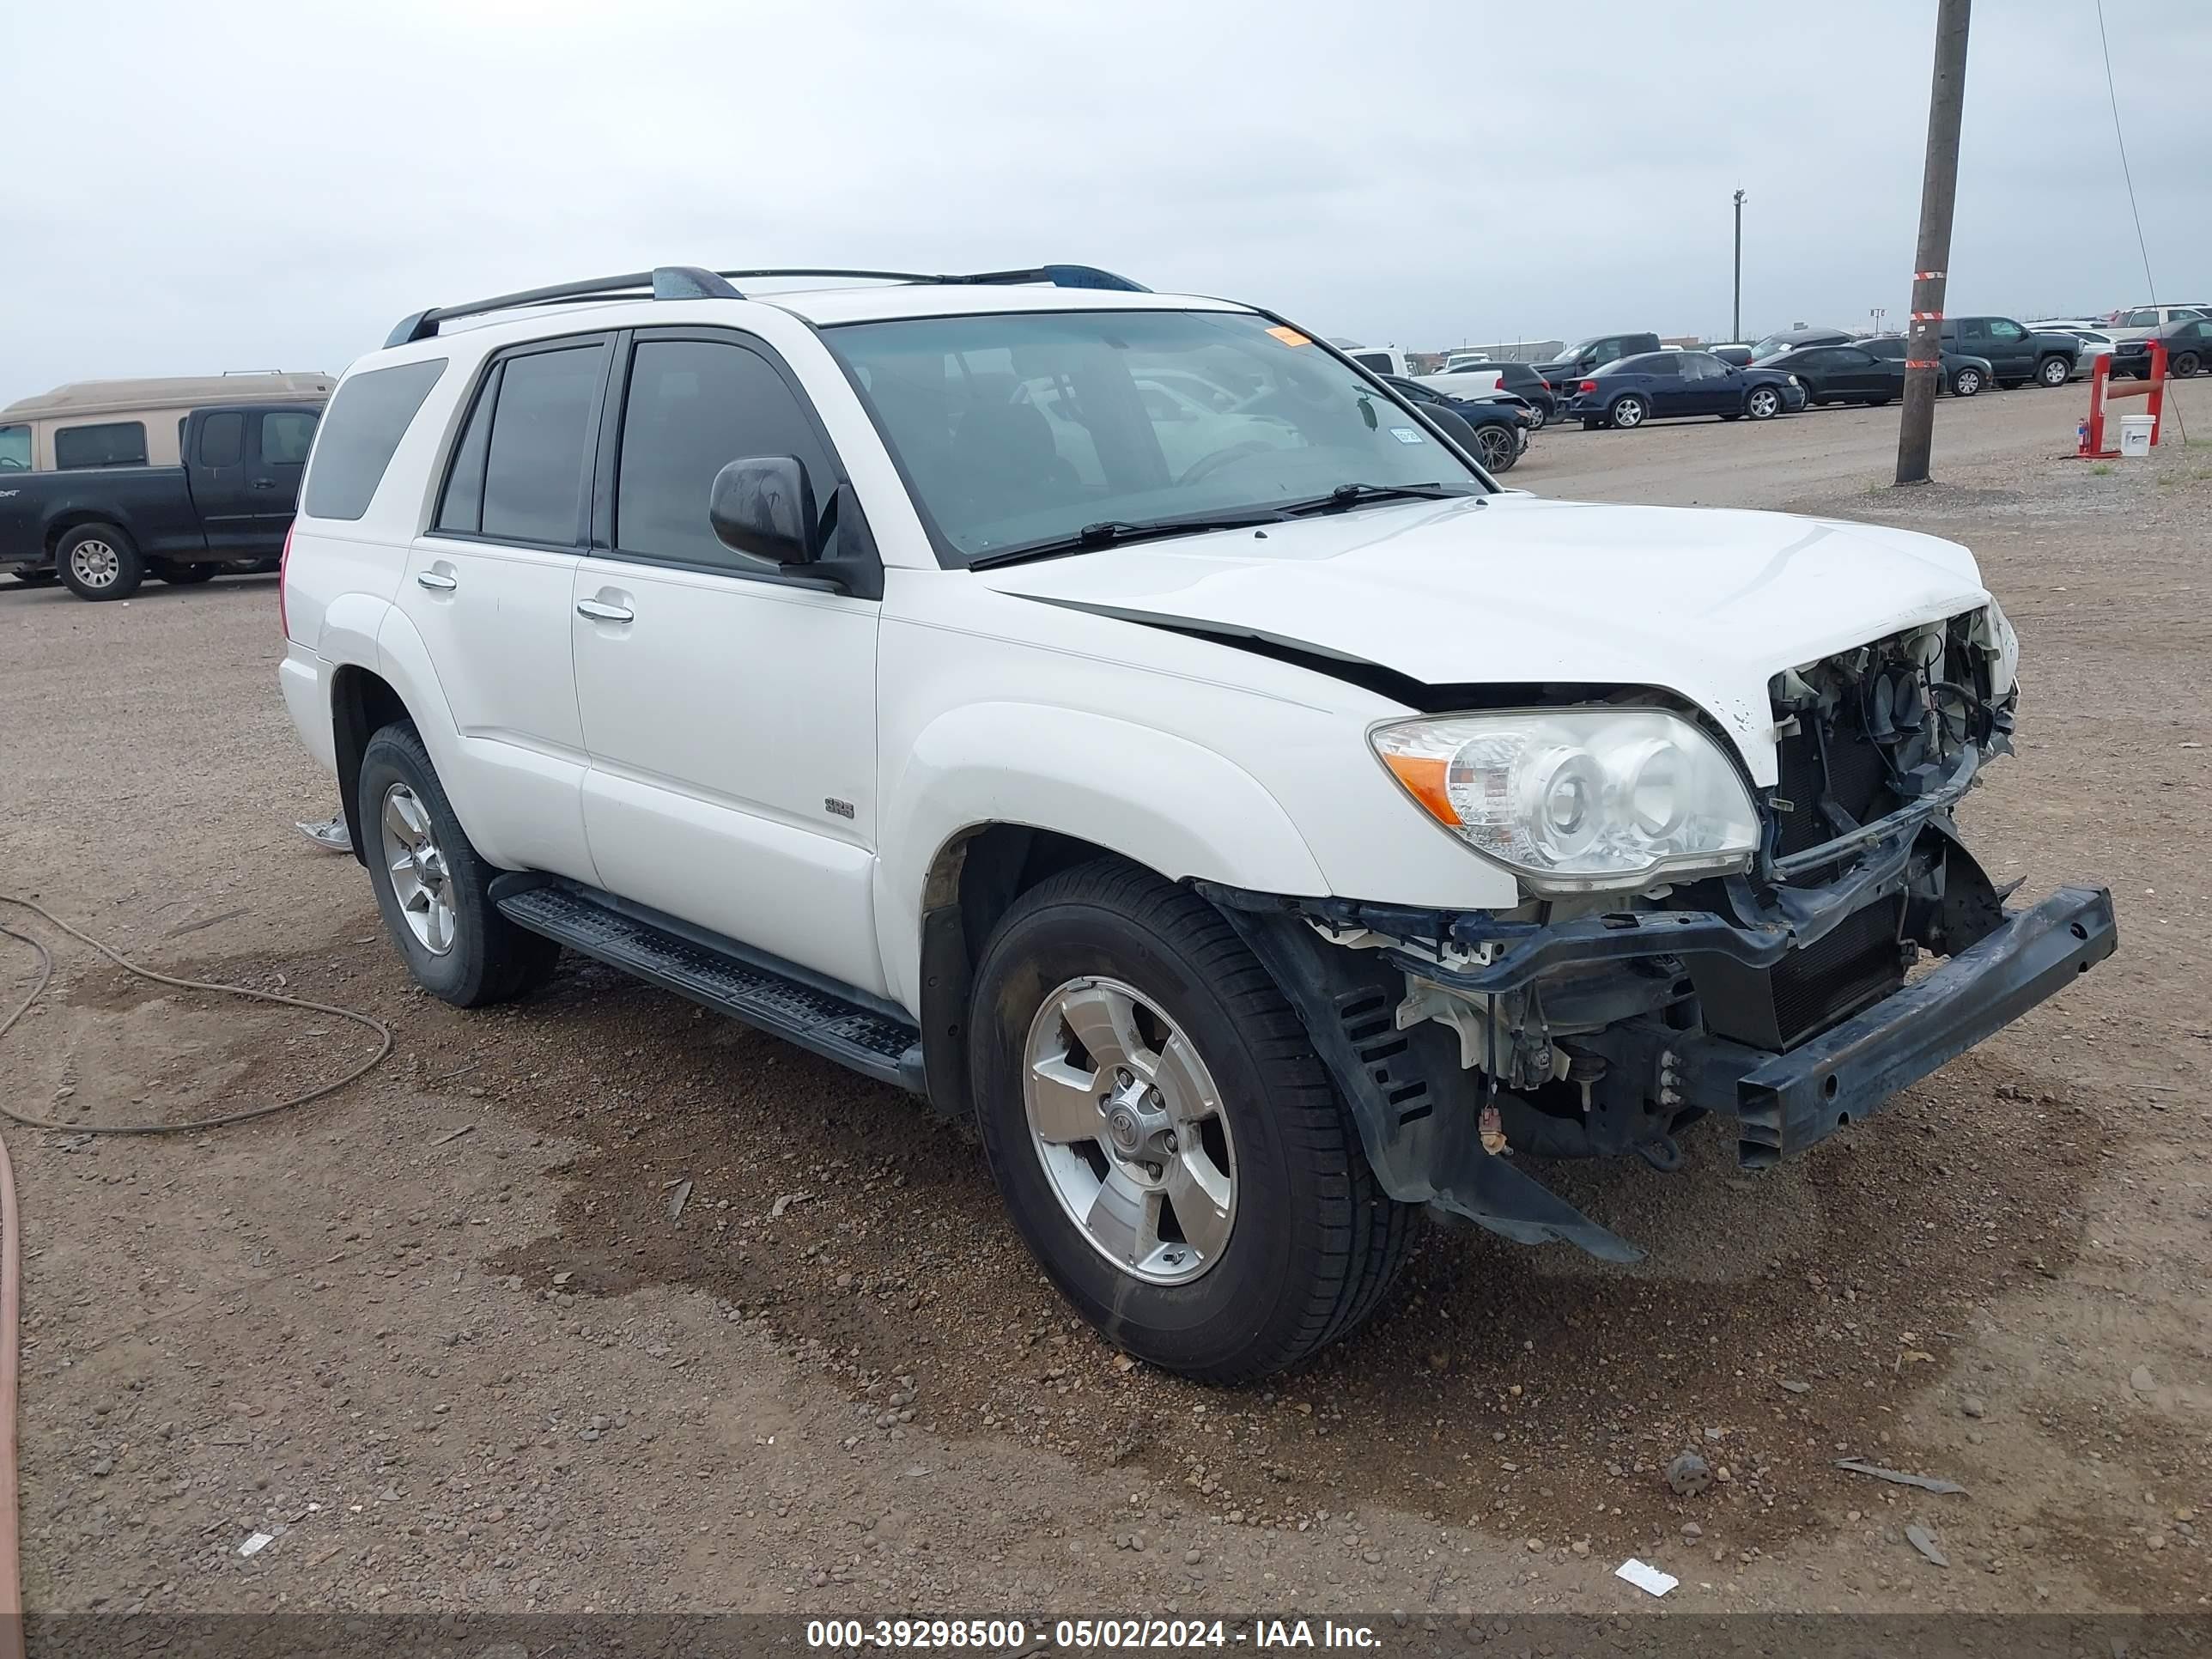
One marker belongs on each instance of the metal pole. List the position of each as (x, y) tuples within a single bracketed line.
[(1735, 317), (1939, 191)]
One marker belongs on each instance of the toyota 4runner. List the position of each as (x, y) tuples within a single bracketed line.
[(1123, 720)]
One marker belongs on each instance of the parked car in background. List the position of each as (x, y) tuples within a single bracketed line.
[(1790, 339), (2141, 322), (2095, 342), (2017, 353), (1498, 427), (1380, 359), (1522, 379), (2188, 342), (1740, 355), (1659, 385), (1963, 376), (103, 528), (1847, 374), (1586, 356)]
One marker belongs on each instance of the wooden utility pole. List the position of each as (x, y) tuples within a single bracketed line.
[(1939, 191), (1735, 317)]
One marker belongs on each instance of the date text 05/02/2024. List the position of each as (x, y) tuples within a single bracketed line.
[(1139, 1634)]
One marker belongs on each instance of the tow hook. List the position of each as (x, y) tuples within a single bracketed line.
[(1663, 1154)]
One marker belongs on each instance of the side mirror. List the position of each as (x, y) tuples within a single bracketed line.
[(763, 506)]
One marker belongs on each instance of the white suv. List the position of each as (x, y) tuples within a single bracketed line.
[(1121, 720)]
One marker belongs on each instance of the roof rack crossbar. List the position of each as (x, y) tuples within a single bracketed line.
[(663, 282)]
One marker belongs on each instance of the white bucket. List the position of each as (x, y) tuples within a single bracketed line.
[(2134, 434)]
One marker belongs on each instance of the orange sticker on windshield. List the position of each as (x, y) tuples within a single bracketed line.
[(1289, 336)]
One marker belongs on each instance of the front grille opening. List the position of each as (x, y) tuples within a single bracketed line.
[(1857, 964)]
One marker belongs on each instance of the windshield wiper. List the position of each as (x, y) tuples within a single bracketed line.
[(1113, 533), (1354, 494)]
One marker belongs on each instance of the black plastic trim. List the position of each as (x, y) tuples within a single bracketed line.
[(1788, 1102), (721, 974)]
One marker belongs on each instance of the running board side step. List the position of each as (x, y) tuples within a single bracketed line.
[(782, 1000)]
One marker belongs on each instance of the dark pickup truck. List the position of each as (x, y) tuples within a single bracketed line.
[(2017, 353), (105, 529)]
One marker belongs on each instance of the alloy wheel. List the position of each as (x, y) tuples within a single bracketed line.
[(94, 564), (1129, 1125), (1764, 403), (420, 879)]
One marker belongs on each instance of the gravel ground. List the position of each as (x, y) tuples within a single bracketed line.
[(440, 1337)]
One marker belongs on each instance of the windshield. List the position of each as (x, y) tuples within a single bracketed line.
[(1021, 429), (1580, 349), (14, 448)]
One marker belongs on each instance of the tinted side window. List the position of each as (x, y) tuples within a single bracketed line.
[(2001, 329), (363, 425), (693, 407), (537, 467), (117, 443), (1664, 364), (1378, 360), (463, 506), (222, 439), (286, 436)]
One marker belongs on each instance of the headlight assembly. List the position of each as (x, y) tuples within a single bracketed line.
[(1578, 799)]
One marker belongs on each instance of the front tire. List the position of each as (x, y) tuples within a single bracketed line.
[(1168, 1145), (1762, 403), (2185, 365), (1627, 412), (99, 561), (2054, 371), (431, 883)]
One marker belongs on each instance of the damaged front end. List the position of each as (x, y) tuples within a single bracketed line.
[(1776, 995)]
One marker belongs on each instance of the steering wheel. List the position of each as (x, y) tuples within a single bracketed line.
[(1205, 465)]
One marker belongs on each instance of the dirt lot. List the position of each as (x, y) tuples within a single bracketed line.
[(439, 1336)]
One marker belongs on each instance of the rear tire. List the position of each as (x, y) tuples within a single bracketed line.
[(1499, 447), (100, 561), (2185, 365), (1627, 412), (457, 944), (1966, 382), (1310, 1243)]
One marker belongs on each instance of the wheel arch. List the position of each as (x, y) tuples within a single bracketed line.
[(981, 833), (362, 702)]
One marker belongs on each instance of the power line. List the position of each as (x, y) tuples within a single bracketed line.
[(2122, 139)]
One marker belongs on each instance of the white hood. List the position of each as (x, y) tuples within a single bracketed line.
[(1707, 603)]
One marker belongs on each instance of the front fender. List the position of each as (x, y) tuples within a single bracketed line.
[(1162, 801)]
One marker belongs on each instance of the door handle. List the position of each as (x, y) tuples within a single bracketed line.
[(600, 611), (436, 581), (262, 484)]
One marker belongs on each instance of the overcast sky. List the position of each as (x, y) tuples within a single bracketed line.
[(235, 186)]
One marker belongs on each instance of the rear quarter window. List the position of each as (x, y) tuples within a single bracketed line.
[(360, 430), (113, 443)]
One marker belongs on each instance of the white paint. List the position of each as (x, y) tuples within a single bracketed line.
[(784, 766)]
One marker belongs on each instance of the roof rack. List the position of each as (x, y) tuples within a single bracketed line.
[(696, 282)]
